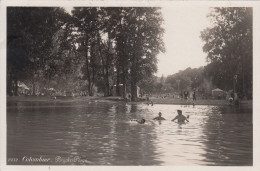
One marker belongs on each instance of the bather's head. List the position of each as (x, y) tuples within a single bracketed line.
[(179, 112), (160, 114)]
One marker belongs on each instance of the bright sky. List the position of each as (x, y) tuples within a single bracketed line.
[(182, 39)]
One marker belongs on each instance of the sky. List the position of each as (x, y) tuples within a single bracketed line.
[(182, 39)]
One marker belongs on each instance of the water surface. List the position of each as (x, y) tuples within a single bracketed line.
[(98, 133)]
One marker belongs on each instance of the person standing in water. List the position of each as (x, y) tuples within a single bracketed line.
[(194, 96), (159, 117), (181, 118)]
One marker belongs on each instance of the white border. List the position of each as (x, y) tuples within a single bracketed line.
[(256, 79)]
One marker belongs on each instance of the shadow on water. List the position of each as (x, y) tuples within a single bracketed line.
[(132, 144), (99, 134), (228, 132)]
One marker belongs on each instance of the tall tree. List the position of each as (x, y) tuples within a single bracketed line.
[(229, 46), (146, 43), (86, 21), (138, 33), (31, 30), (94, 44)]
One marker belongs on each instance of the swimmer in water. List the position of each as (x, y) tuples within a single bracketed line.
[(181, 118), (159, 117), (140, 121)]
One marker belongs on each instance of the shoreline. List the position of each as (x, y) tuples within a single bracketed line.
[(214, 102)]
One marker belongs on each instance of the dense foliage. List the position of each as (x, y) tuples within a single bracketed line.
[(229, 45), (94, 48)]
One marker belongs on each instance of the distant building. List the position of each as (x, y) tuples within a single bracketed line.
[(218, 93)]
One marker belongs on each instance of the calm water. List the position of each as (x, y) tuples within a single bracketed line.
[(101, 134)]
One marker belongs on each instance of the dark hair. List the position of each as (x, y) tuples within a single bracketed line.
[(179, 111)]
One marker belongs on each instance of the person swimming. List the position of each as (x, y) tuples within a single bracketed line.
[(159, 117), (181, 118), (140, 121)]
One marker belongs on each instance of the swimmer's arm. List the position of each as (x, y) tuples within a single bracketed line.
[(140, 122), (187, 119), (175, 118)]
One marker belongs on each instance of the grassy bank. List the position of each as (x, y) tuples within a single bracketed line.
[(246, 103)]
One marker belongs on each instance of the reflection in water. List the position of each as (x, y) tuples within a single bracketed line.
[(229, 137), (101, 134)]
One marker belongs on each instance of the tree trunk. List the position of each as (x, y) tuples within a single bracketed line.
[(103, 67), (243, 83), (87, 68), (107, 82), (91, 90), (133, 86), (133, 91), (124, 83), (103, 74), (107, 70), (93, 78), (118, 80), (133, 80), (133, 71)]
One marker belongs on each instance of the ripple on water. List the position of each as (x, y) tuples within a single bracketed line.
[(103, 134)]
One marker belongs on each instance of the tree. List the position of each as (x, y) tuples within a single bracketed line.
[(187, 79), (146, 43), (138, 34), (86, 21), (229, 46), (96, 46), (148, 84), (30, 31)]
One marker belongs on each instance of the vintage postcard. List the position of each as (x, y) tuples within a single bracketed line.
[(129, 84)]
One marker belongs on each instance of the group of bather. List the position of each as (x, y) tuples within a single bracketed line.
[(180, 118)]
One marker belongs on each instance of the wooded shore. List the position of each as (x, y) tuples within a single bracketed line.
[(154, 100)]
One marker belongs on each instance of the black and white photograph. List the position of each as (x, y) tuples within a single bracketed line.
[(129, 85)]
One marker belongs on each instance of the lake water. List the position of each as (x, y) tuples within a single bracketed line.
[(95, 133)]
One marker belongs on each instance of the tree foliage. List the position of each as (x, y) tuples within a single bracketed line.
[(30, 42), (98, 47), (228, 44), (187, 79)]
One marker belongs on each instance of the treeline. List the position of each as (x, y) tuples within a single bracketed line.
[(190, 79), (228, 44), (91, 48), (96, 48)]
